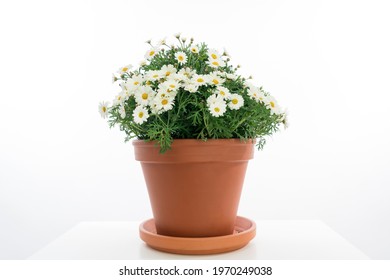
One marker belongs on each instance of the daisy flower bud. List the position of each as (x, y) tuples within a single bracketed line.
[(163, 41), (114, 78), (225, 53), (177, 35)]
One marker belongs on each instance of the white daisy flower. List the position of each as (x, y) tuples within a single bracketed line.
[(181, 57), (125, 88), (167, 70), (271, 103), (194, 49), (143, 95), (103, 109), (164, 103), (125, 69), (122, 112), (163, 91), (236, 101), (151, 53), (248, 84), (134, 81), (214, 98), (224, 92), (254, 93), (231, 76), (199, 80), (214, 79), (187, 72), (143, 62), (217, 109), (171, 85), (261, 97), (191, 87), (213, 54), (179, 77), (154, 106), (215, 63), (140, 115), (152, 75), (119, 99), (284, 119), (128, 89)]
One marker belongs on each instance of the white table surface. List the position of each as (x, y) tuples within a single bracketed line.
[(275, 240)]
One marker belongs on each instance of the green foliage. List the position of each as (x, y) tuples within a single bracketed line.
[(191, 116)]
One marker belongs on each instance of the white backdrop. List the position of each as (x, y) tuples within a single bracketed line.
[(326, 61)]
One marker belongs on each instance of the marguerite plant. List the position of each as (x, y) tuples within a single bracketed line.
[(190, 91)]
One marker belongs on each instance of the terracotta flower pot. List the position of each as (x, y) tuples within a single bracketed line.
[(195, 187)]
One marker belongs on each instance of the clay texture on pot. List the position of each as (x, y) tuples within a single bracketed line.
[(195, 187)]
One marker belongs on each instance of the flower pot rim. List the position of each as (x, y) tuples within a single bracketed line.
[(194, 150), (186, 142)]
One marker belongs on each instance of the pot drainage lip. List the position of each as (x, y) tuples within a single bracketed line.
[(244, 231)]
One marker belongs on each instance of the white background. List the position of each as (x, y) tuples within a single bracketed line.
[(328, 62)]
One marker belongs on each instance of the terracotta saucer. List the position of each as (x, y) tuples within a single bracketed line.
[(244, 231)]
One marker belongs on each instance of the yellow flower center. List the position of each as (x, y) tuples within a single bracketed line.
[(140, 115), (222, 93), (193, 50), (234, 101), (136, 83), (215, 81), (180, 57), (124, 69), (200, 80), (104, 109), (155, 76), (216, 109), (151, 53), (214, 56), (172, 86), (215, 63), (145, 96), (272, 104), (164, 102), (167, 73)]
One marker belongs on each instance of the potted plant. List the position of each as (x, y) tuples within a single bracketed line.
[(196, 122)]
